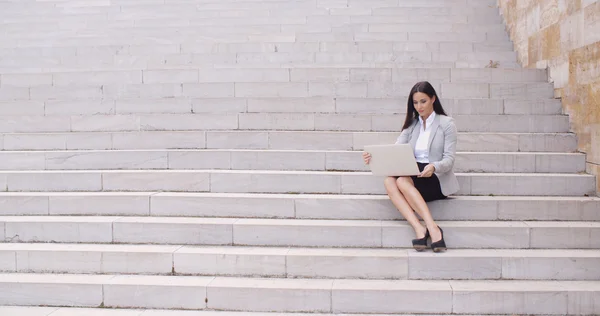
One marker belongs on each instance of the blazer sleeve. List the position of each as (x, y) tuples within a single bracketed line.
[(450, 137), (404, 137)]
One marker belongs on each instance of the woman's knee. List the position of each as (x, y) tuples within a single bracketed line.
[(404, 183), (390, 183), (389, 180)]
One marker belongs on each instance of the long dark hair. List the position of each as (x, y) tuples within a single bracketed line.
[(411, 113)]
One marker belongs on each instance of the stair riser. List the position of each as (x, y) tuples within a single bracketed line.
[(257, 160), (276, 140), (148, 103), (335, 56), (245, 233), (410, 266), (499, 78), (232, 18), (473, 11), (398, 59), (249, 182), (120, 63), (373, 208), (288, 37), (291, 33), (224, 48), (268, 121), (300, 25), (288, 89), (325, 296)]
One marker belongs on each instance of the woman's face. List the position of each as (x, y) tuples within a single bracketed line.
[(423, 104)]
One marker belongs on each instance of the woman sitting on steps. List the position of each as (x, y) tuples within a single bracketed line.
[(432, 135)]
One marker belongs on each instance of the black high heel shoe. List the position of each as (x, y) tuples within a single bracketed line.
[(439, 245), (421, 243)]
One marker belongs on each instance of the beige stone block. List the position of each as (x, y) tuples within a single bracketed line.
[(533, 49), (572, 32), (591, 24), (549, 13), (551, 42), (533, 21), (559, 72), (593, 156), (585, 65)]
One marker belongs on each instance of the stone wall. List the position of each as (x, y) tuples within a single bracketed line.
[(564, 36)]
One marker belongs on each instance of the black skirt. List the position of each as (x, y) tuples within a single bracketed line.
[(430, 187)]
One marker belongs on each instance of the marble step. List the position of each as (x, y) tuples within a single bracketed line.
[(164, 62), (133, 63), (338, 89), (286, 262), (295, 182), (190, 8), (290, 206), (75, 311), (295, 232), (309, 34), (496, 78), (289, 295), (147, 94), (434, 6), (316, 24), (287, 37), (264, 121), (503, 162), (334, 20), (177, 14), (223, 48), (279, 140)]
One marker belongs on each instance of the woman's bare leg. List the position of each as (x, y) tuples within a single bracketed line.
[(417, 203), (402, 205)]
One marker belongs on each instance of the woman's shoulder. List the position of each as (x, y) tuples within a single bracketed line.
[(446, 120)]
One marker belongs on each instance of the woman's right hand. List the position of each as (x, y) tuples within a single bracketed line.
[(366, 157)]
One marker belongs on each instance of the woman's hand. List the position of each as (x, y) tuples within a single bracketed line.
[(366, 158), (427, 171)]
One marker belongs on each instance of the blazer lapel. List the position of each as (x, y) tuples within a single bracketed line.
[(434, 128)]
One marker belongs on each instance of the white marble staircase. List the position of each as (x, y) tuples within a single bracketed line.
[(202, 158)]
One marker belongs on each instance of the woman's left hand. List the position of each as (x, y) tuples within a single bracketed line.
[(427, 171)]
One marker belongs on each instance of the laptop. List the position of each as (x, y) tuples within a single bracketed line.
[(392, 160)]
